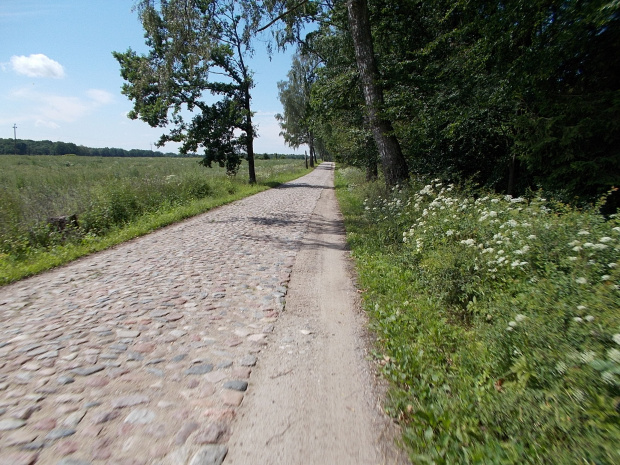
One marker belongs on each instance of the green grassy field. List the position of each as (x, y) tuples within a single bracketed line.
[(497, 320), (114, 199)]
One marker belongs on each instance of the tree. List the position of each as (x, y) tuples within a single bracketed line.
[(394, 164), (294, 95), (293, 14), (188, 41)]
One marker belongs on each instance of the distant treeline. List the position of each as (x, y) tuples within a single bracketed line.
[(47, 147)]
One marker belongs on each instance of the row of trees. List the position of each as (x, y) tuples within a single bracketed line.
[(47, 147), (513, 95)]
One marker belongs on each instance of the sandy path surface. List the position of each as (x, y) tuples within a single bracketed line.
[(145, 353), (313, 399)]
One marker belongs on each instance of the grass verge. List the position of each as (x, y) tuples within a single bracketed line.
[(496, 318)]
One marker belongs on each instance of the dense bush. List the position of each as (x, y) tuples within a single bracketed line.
[(497, 319)]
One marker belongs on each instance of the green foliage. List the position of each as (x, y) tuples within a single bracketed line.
[(294, 94), (515, 96), (109, 197), (497, 320), (189, 41), (337, 102)]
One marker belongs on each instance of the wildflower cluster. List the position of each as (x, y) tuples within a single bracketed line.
[(499, 314)]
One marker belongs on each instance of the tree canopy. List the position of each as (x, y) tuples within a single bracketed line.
[(190, 42), (294, 95), (512, 95)]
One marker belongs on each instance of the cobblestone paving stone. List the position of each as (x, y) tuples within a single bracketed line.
[(141, 354)]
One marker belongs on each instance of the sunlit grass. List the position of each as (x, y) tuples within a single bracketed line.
[(115, 199)]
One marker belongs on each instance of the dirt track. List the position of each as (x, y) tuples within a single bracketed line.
[(313, 399)]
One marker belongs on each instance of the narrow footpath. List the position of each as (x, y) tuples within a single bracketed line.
[(313, 399), (165, 350)]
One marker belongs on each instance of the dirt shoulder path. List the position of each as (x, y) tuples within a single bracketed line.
[(313, 399)]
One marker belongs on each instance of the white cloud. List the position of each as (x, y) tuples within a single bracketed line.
[(263, 114), (50, 110), (61, 108), (37, 65), (100, 97), (46, 124)]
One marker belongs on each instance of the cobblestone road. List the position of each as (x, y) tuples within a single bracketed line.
[(142, 353)]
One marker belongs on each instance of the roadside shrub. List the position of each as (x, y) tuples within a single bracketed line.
[(498, 321)]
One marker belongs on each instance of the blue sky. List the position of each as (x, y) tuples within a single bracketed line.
[(59, 80)]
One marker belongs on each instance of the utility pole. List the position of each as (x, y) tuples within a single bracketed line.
[(15, 136)]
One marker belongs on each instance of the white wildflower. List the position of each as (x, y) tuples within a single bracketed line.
[(522, 251), (605, 277), (608, 377), (605, 239), (583, 232), (572, 259), (512, 323), (614, 354), (573, 243), (578, 319), (587, 356), (520, 317), (581, 281), (616, 338), (576, 249), (494, 200), (589, 318), (469, 242), (509, 328), (616, 229), (561, 367), (588, 245), (581, 307), (612, 265), (532, 237), (599, 246)]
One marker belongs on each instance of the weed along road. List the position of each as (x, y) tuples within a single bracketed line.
[(143, 354)]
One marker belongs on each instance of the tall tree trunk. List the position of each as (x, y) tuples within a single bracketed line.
[(371, 171), (311, 147), (392, 159), (249, 130), (512, 175)]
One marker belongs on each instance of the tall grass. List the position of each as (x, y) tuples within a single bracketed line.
[(498, 321), (113, 198)]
